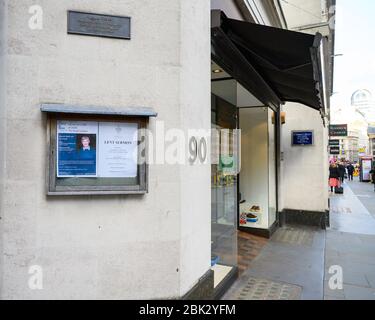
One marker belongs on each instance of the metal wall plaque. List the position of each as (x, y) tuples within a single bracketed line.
[(303, 138), (99, 25)]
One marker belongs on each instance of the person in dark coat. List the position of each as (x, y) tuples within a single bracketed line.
[(342, 170), (350, 168), (334, 176), (372, 172)]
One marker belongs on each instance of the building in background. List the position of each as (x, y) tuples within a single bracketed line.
[(371, 135), (362, 101), (358, 116), (350, 149)]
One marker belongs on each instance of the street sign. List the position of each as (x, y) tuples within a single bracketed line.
[(338, 130), (334, 142), (334, 150)]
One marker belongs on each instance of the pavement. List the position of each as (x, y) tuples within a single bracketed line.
[(350, 243), (306, 263)]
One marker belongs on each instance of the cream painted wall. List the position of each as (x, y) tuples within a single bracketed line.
[(304, 170), (195, 113), (3, 24), (110, 247)]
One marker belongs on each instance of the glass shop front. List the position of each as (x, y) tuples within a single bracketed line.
[(250, 78), (243, 171)]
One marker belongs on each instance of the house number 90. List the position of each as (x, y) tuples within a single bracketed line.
[(197, 149)]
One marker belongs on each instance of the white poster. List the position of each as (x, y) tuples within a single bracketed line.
[(118, 145), (77, 148)]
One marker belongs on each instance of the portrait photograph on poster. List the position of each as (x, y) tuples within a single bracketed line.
[(97, 149), (76, 149)]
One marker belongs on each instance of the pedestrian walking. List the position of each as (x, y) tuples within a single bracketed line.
[(342, 170), (334, 176), (350, 168)]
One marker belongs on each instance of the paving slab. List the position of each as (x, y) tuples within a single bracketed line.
[(348, 214), (350, 243), (293, 257)]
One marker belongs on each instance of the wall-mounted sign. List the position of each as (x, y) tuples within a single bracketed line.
[(334, 142), (96, 149), (302, 138), (76, 148), (100, 25), (362, 150), (117, 150), (334, 150), (338, 130)]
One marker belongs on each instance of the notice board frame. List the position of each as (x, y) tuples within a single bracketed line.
[(53, 189)]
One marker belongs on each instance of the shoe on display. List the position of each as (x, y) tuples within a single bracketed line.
[(252, 218), (255, 209)]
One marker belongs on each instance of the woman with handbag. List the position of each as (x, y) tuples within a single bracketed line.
[(334, 176)]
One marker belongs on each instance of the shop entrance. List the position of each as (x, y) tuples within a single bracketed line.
[(243, 172)]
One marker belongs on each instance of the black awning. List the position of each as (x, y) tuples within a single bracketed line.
[(287, 61)]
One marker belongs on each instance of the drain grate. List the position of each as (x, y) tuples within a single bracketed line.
[(298, 236), (262, 289)]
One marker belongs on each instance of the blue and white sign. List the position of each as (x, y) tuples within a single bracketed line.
[(303, 138), (76, 148), (97, 149)]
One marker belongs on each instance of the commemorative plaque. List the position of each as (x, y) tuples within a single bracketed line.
[(100, 25)]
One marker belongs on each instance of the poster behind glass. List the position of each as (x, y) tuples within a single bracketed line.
[(76, 148), (97, 149)]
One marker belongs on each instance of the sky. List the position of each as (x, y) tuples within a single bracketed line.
[(355, 39)]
